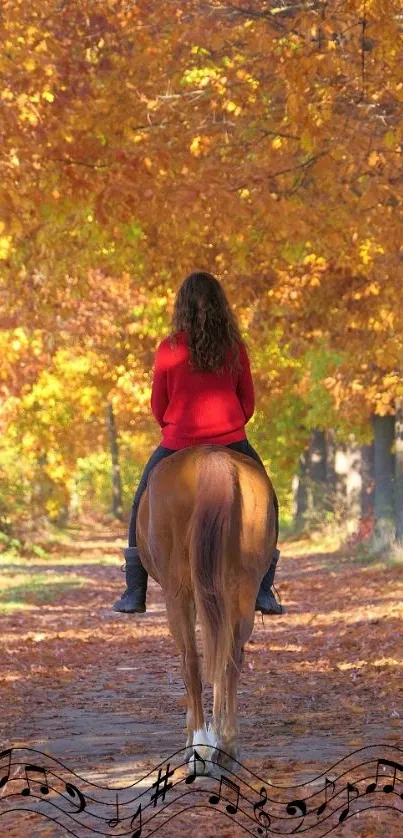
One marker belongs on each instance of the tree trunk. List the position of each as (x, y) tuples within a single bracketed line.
[(331, 474), (368, 480), (341, 470), (399, 471), (353, 487), (385, 527), (301, 491), (74, 506), (116, 481), (41, 488), (317, 476), (347, 483)]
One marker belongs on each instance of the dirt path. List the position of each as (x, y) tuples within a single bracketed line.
[(102, 691)]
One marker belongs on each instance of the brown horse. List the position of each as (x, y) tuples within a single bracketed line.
[(206, 532)]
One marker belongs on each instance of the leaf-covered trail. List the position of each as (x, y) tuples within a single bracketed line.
[(102, 692)]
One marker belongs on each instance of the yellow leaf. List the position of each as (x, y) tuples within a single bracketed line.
[(30, 64), (5, 246), (277, 142), (137, 138), (373, 159), (306, 141), (389, 139), (48, 96), (195, 146), (232, 107)]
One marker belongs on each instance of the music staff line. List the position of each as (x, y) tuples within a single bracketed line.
[(296, 810), (264, 833), (72, 790), (182, 765), (329, 770), (377, 746), (230, 808)]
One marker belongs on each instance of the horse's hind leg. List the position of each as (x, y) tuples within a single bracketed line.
[(231, 727), (228, 734), (181, 615), (225, 725)]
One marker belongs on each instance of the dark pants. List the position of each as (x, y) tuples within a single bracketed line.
[(244, 447)]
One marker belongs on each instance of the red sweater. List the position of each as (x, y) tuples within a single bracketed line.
[(197, 408)]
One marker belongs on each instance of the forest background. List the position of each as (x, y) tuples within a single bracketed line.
[(261, 141)]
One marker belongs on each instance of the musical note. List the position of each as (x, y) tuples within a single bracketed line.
[(114, 821), (214, 798), (5, 778), (73, 792), (322, 807), (292, 809), (197, 758), (166, 786), (262, 817), (388, 788), (353, 790), (36, 769), (137, 832)]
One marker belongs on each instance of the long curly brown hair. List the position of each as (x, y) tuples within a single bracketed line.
[(202, 310)]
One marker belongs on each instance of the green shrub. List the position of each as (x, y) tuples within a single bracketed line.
[(93, 478)]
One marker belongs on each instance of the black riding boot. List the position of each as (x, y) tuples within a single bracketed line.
[(266, 601), (134, 598)]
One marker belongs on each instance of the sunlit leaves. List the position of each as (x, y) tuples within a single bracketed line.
[(141, 141)]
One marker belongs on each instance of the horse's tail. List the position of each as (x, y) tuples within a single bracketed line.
[(212, 526)]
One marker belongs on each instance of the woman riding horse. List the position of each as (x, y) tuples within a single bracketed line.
[(202, 394)]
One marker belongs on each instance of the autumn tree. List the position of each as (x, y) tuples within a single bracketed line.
[(259, 140)]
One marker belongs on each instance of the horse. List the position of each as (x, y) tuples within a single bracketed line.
[(206, 533)]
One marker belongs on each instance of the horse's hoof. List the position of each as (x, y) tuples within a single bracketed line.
[(215, 771), (225, 758), (199, 762)]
